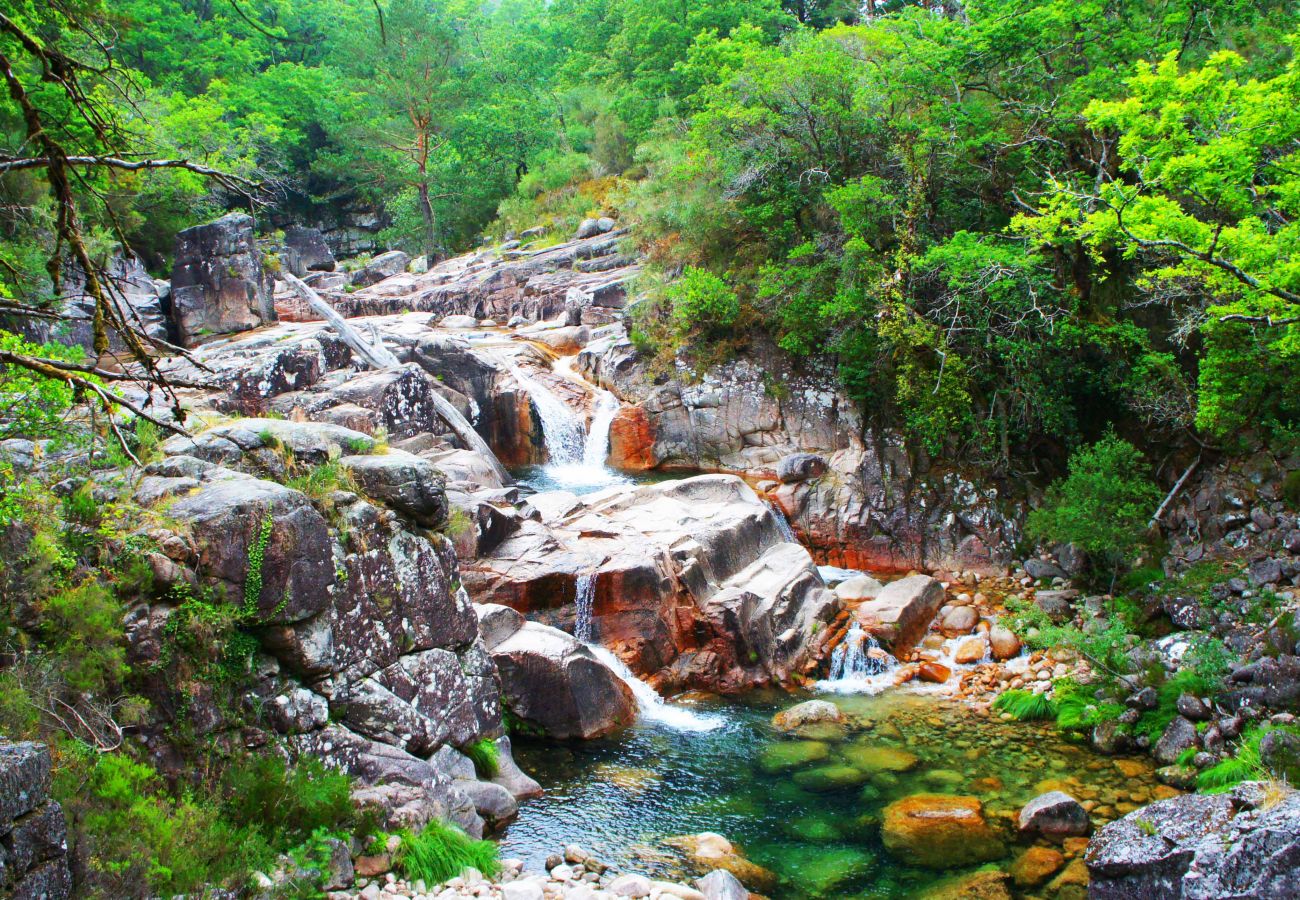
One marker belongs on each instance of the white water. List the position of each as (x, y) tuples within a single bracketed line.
[(596, 450), (651, 706), (584, 601), (561, 429), (782, 523), (856, 669)]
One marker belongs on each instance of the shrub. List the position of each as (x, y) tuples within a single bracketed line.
[(287, 803), (485, 756), (82, 625), (702, 302), (1102, 505), (1025, 706), (442, 851)]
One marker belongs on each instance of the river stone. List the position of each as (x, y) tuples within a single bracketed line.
[(1035, 866), (971, 650), (822, 869), (857, 588), (458, 322), (1059, 605), (721, 885), (825, 779), (385, 265), (1177, 737), (708, 851), (901, 614), (1055, 814), (1003, 642), (933, 672), (981, 885), (407, 483), (880, 759), (630, 886), (812, 830), (940, 831), (810, 712), (785, 756), (958, 621), (1279, 751)]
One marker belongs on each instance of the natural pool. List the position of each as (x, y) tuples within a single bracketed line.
[(808, 810)]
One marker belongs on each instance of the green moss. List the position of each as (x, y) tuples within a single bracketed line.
[(486, 757)]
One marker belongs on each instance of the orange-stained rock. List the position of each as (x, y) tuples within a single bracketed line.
[(933, 672), (632, 440), (1035, 866), (940, 831)]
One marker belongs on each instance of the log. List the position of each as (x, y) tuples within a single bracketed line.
[(377, 356), (1178, 486)]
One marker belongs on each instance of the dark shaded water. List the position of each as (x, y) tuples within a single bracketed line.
[(620, 797)]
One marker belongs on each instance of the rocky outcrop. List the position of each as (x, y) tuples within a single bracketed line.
[(550, 681), (684, 588), (218, 284), (900, 615), (1243, 844), (385, 265), (33, 834), (305, 251), (370, 655), (142, 302)]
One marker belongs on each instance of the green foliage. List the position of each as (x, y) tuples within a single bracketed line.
[(256, 557), (1025, 706), (287, 804), (1077, 708), (1291, 489), (485, 756), (82, 625), (1102, 506), (442, 851), (703, 304), (324, 479), (1245, 765)]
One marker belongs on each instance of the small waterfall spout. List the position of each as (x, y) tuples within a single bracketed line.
[(782, 523), (859, 665), (584, 600), (596, 450), (561, 429), (653, 707)]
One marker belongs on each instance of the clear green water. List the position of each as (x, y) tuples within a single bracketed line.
[(621, 796)]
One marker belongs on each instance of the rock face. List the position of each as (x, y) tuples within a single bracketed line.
[(901, 613), (33, 834), (305, 251), (218, 285), (385, 265), (1196, 846), (370, 656), (551, 681), (938, 831), (693, 583)]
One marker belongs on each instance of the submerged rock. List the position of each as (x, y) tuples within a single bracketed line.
[(940, 831), (810, 712), (1035, 866), (785, 756)]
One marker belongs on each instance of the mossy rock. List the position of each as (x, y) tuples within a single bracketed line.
[(820, 870), (943, 779), (863, 828), (823, 731), (871, 759), (939, 831), (829, 778), (785, 756), (812, 830)]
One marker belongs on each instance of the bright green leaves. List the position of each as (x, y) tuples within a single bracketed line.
[(703, 304)]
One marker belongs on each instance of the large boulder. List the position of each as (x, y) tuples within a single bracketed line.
[(902, 612), (1243, 844), (403, 481), (938, 831), (385, 265), (218, 283), (1055, 814), (800, 467), (305, 251), (141, 300), (552, 682)]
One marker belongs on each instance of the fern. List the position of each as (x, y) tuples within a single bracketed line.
[(442, 851), (1025, 706)]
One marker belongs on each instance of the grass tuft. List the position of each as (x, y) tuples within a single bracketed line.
[(1025, 706), (486, 757), (442, 851)]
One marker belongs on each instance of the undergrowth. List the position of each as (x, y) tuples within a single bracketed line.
[(442, 851)]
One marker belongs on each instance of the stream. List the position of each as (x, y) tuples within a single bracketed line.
[(807, 809)]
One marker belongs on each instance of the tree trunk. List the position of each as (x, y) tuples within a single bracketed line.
[(430, 227)]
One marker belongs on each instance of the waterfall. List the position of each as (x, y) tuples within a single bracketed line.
[(855, 668), (596, 450), (653, 707), (561, 429), (584, 600), (782, 523)]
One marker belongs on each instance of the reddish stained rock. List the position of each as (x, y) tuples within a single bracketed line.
[(933, 672), (632, 440)]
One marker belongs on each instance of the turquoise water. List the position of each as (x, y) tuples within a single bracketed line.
[(815, 826)]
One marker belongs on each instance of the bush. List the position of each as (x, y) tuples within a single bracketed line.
[(703, 303), (288, 804), (442, 851), (1102, 506)]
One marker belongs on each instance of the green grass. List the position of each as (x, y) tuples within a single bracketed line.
[(1025, 706), (485, 756), (1246, 765), (442, 851)]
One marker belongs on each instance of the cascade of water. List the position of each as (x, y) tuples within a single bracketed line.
[(561, 429), (584, 600), (859, 665), (782, 523), (653, 707), (596, 450)]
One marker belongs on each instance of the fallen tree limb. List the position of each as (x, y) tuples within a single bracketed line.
[(377, 356), (1173, 492)]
